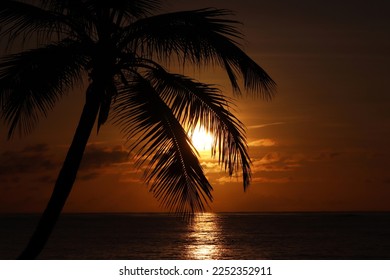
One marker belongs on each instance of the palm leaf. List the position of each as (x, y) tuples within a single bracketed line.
[(22, 19), (196, 103), (31, 82), (26, 20), (173, 169), (202, 37)]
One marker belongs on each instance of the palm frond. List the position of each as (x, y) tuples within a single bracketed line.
[(32, 81), (22, 19), (47, 23), (196, 103), (173, 169), (75, 11), (202, 37)]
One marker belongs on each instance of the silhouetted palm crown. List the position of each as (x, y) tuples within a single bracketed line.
[(121, 47)]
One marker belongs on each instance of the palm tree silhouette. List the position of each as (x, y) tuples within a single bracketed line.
[(122, 47)]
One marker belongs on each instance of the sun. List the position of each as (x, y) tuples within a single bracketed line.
[(201, 139)]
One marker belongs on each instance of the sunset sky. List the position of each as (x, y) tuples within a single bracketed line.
[(322, 144)]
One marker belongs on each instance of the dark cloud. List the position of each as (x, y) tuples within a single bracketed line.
[(38, 148), (38, 164), (98, 157), (386, 181), (276, 162), (31, 159)]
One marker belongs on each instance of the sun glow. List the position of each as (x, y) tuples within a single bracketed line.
[(201, 139)]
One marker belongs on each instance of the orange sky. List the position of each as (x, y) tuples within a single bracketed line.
[(321, 145)]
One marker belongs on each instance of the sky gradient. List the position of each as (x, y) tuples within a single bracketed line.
[(322, 144)]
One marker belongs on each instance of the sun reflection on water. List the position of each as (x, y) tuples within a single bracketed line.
[(205, 238)]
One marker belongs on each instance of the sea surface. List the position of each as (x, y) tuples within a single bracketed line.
[(275, 236)]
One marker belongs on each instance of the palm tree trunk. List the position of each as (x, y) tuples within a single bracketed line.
[(66, 177)]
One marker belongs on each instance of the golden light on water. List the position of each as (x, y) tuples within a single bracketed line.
[(205, 235)]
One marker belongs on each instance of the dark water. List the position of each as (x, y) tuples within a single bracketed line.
[(211, 236)]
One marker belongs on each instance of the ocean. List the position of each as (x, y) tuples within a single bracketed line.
[(221, 236)]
